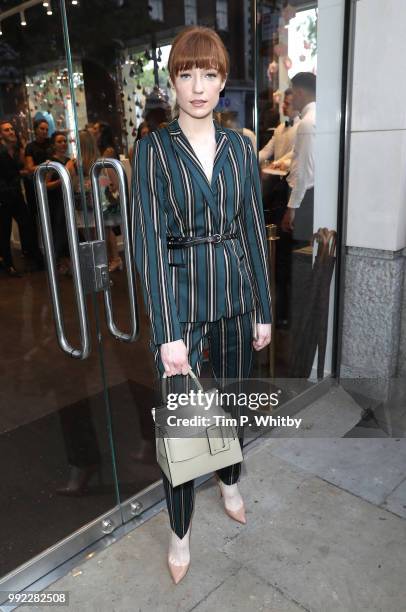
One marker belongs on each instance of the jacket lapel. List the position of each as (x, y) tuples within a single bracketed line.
[(186, 152), (221, 153)]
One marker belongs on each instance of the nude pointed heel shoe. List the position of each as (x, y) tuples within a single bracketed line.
[(236, 515), (178, 571)]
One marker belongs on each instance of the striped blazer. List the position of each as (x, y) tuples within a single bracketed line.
[(171, 196)]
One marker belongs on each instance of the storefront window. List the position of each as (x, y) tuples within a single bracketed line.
[(146, 94), (222, 15), (123, 56), (190, 12), (298, 88), (156, 10), (105, 68), (48, 95)]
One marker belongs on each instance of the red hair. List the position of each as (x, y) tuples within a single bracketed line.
[(198, 47)]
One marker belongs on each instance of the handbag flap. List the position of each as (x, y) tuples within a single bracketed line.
[(184, 449)]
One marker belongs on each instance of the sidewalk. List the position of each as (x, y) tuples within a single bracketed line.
[(326, 532)]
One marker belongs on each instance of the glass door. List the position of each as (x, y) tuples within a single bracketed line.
[(115, 52), (58, 475), (122, 51)]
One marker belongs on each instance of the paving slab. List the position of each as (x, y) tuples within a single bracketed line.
[(308, 545), (265, 482), (396, 501), (324, 547), (371, 468), (131, 575), (331, 416), (244, 591)]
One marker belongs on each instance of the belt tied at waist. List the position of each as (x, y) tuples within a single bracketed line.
[(178, 243)]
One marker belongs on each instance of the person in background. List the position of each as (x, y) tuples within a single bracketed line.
[(112, 216), (48, 118), (89, 154), (59, 147), (36, 153), (299, 212), (229, 119), (276, 195), (280, 147), (268, 116), (105, 139), (12, 204), (91, 127), (143, 130), (157, 112)]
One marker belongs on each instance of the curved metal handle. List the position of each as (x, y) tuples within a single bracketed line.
[(42, 197), (98, 166)]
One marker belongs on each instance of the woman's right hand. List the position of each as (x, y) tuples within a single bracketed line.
[(174, 358)]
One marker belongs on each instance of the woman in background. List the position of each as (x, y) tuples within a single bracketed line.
[(142, 131), (112, 216), (59, 147), (90, 153)]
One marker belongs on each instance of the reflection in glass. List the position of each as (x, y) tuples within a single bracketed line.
[(55, 451), (287, 67)]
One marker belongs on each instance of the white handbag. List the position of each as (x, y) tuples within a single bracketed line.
[(184, 453)]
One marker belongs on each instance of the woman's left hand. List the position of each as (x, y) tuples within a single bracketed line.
[(263, 336)]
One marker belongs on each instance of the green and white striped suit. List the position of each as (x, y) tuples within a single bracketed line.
[(172, 197), (208, 290)]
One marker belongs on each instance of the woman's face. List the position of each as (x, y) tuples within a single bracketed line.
[(61, 144), (41, 132), (96, 131), (197, 91)]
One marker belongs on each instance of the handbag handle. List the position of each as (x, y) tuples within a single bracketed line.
[(192, 376)]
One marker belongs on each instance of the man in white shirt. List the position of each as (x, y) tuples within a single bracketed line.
[(280, 146), (276, 195), (299, 213)]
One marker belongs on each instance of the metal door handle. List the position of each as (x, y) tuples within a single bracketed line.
[(95, 171), (68, 202)]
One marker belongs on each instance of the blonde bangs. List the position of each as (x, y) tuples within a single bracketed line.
[(198, 47)]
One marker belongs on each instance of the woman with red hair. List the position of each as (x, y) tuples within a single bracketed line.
[(200, 249)]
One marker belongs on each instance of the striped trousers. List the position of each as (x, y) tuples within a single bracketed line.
[(230, 351)]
